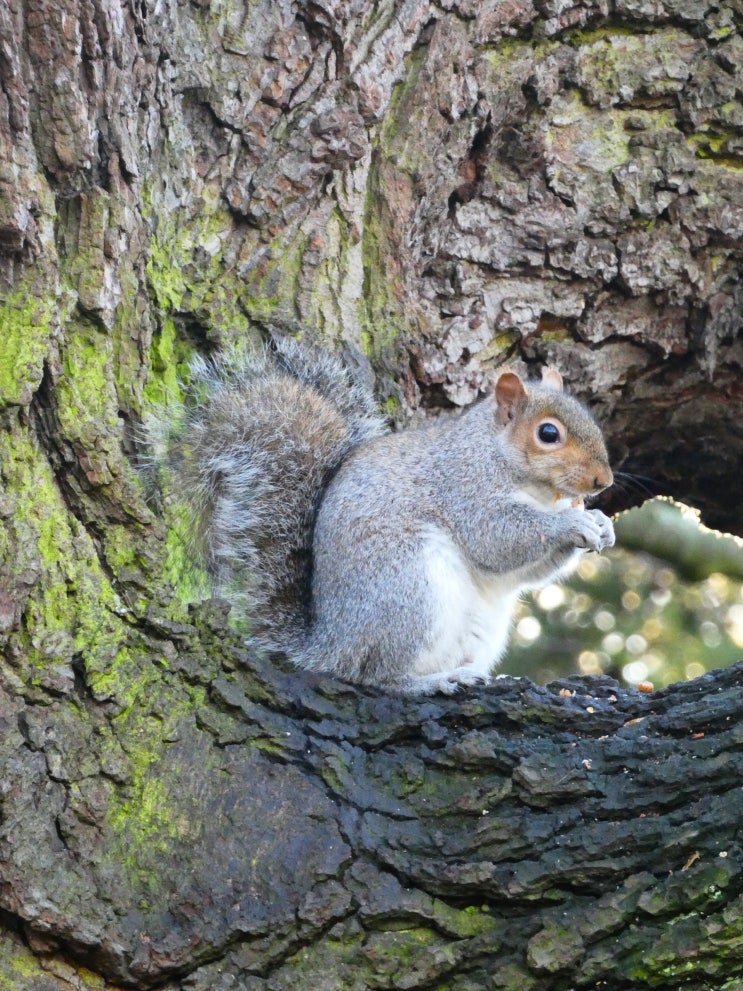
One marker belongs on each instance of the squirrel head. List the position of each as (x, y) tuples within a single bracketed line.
[(554, 439)]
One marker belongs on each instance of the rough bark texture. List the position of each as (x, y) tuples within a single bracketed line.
[(445, 187), (307, 835)]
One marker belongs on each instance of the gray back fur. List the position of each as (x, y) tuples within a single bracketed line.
[(260, 436)]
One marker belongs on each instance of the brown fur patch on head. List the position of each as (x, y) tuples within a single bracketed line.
[(573, 465), (510, 395)]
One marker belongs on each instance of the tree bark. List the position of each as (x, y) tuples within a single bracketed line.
[(253, 827), (443, 188)]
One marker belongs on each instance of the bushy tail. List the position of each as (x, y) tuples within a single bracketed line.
[(259, 438)]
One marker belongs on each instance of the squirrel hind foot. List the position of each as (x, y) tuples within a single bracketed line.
[(446, 683)]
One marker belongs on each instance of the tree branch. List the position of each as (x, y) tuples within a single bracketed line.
[(288, 827)]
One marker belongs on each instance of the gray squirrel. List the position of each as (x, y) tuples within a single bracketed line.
[(392, 559)]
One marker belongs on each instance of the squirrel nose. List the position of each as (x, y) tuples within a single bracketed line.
[(604, 478)]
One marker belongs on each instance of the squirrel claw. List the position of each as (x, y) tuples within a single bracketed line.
[(461, 678), (447, 683)]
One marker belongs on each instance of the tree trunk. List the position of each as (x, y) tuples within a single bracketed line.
[(444, 188)]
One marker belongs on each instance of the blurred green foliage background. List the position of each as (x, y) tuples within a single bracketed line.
[(661, 617)]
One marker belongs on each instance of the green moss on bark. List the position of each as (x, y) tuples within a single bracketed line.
[(71, 608), (87, 403), (27, 325), (21, 970), (187, 272)]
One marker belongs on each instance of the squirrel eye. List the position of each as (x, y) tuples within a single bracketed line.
[(548, 432)]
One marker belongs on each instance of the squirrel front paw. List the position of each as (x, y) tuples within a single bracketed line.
[(593, 530)]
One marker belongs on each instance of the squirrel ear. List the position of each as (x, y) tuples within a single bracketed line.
[(552, 379), (509, 392)]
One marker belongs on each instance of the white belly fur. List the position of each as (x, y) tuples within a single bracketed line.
[(473, 612)]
